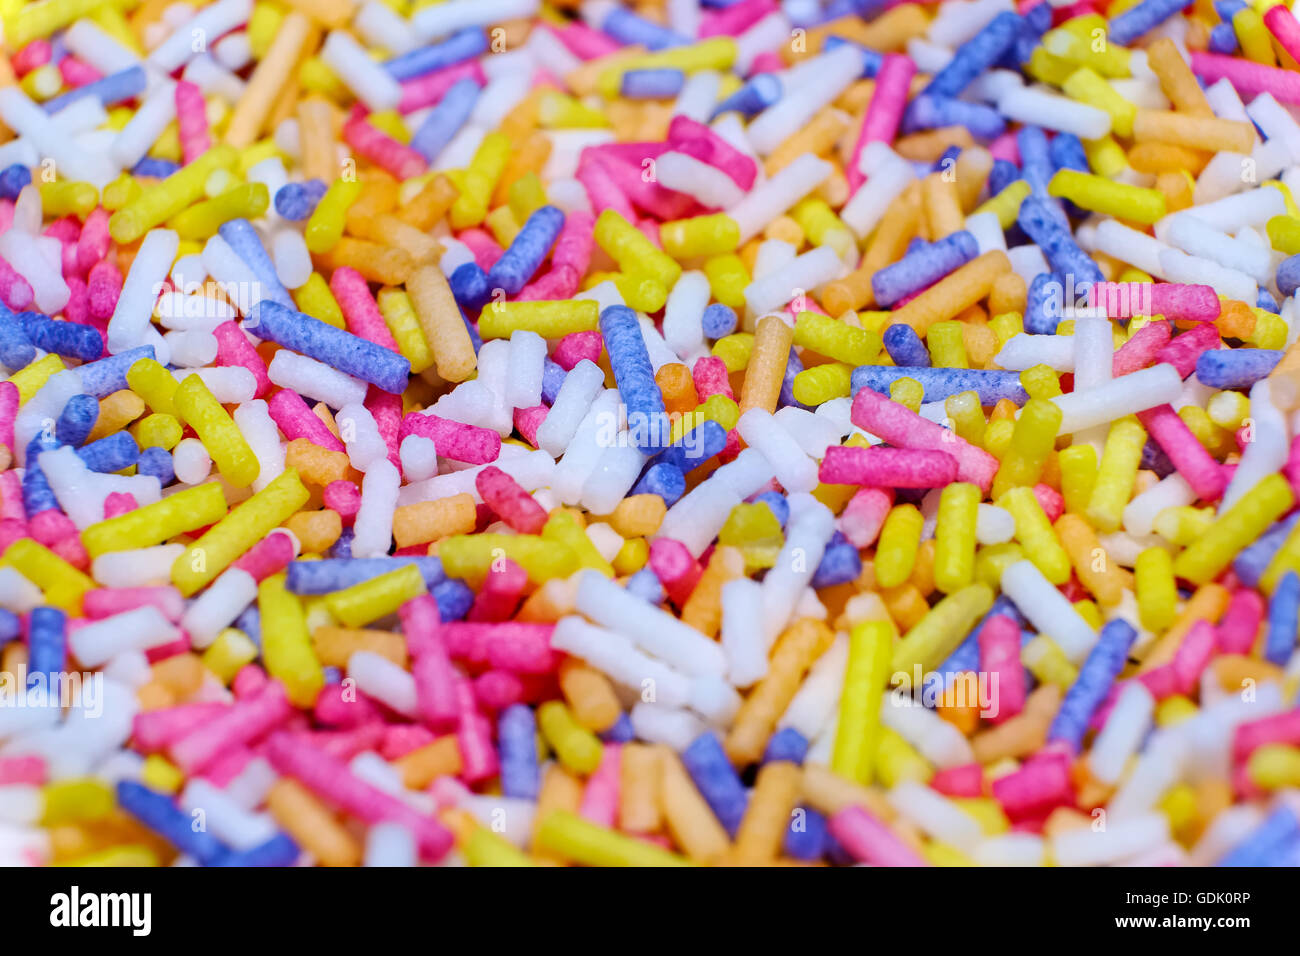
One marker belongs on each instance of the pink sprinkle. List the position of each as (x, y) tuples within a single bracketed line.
[(380, 148), (35, 54), (29, 770), (269, 556), (1282, 24), (118, 503), (11, 530), (234, 348), (192, 120), (103, 286), (1291, 470), (676, 568), (518, 646), (1006, 147), (66, 230), (435, 678), (1249, 78), (628, 176), (600, 798), (248, 682), (511, 502), (964, 781), (766, 62), (94, 242), (486, 249), (1183, 350), (1175, 301), (1240, 623), (14, 289), (360, 311), (344, 497), (602, 191), (889, 467), (502, 590), (1193, 655), (575, 347), (1038, 787), (1050, 500), (697, 140), (496, 690), (331, 779), (77, 73), (1141, 349), (105, 602), (296, 420), (528, 420), (868, 840), (736, 19), (999, 643), (710, 377), (402, 739), (1281, 728), (56, 531), (239, 724), (8, 412), (155, 730), (179, 646), (478, 758), (386, 409), (863, 516), (584, 42), (227, 767), (1188, 455), (885, 112), (334, 708), (427, 90), (456, 440)]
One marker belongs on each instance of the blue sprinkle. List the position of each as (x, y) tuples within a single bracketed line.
[(297, 201), (1003, 174), (664, 479), (929, 111), (47, 640), (76, 420), (109, 90), (159, 813), (975, 56), (652, 84), (68, 339), (16, 349), (754, 97), (916, 271), (634, 375), (337, 348), (110, 454), (905, 346), (1106, 659), (1283, 617), (620, 733), (872, 60), (1266, 301), (250, 622), (445, 120), (517, 739), (1288, 276), (1149, 14), (240, 235), (527, 251), (1043, 305), (807, 836), (786, 744), (645, 584), (793, 366), (13, 179), (1235, 368), (279, 851), (469, 285), (1272, 840), (1035, 158), (719, 320), (629, 29), (778, 503), (1250, 563), (157, 462), (334, 574), (695, 447), (457, 48), (454, 598), (840, 563), (553, 376), (992, 385), (155, 168), (1042, 222), (1223, 39), (108, 375), (716, 779)]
